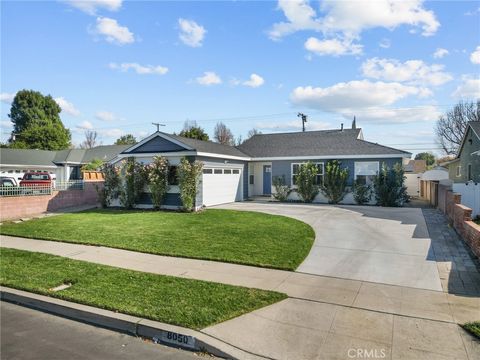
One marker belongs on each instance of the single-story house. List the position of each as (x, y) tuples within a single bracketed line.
[(237, 173), (63, 165), (466, 165)]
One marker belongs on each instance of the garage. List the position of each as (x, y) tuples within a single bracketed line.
[(221, 185)]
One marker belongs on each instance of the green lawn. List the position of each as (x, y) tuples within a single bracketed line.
[(473, 327), (190, 303), (241, 237)]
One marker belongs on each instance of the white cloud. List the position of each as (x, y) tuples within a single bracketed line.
[(475, 56), (191, 33), (468, 89), (67, 106), (7, 97), (354, 95), (6, 124), (113, 133), (333, 47), (254, 81), (105, 116), (85, 125), (440, 53), (91, 6), (385, 43), (209, 78), (411, 71), (113, 31), (139, 69), (350, 18), (292, 125), (395, 115)]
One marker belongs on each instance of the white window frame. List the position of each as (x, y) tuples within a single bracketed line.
[(363, 162), (303, 163), (459, 171)]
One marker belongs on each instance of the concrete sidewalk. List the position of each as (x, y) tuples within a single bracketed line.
[(391, 299)]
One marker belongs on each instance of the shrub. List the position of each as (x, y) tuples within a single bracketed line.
[(133, 183), (334, 185), (157, 175), (111, 185), (93, 165), (282, 190), (362, 193), (188, 180), (389, 186), (307, 188)]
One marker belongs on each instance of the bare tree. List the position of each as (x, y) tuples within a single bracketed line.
[(223, 135), (90, 140), (452, 125), (253, 132)]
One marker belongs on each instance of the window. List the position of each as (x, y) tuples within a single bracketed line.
[(365, 171), (207, 171), (251, 180), (459, 171), (469, 172), (217, 171), (296, 169), (235, 171), (172, 175), (227, 171)]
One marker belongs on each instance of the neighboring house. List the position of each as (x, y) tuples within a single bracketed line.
[(415, 166), (63, 165), (237, 173), (466, 165)]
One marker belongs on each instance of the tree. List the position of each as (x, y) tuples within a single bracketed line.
[(90, 140), (127, 139), (189, 175), (193, 131), (223, 135), (428, 157), (93, 165), (253, 132), (452, 125), (334, 185), (307, 187), (36, 122), (389, 187)]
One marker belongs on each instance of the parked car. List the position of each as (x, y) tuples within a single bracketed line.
[(8, 186), (8, 181), (37, 182)]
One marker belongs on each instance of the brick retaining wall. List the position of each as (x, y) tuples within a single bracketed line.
[(461, 219), (17, 207)]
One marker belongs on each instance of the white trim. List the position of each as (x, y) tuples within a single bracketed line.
[(355, 169), (154, 135), (291, 171), (223, 156), (24, 166), (330, 157)]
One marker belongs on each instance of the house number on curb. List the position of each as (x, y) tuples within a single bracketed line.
[(178, 339)]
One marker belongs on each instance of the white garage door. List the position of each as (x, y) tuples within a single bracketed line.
[(221, 185)]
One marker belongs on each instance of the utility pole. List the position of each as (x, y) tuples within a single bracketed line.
[(158, 125), (304, 120)]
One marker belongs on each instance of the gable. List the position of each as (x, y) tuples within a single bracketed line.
[(157, 144)]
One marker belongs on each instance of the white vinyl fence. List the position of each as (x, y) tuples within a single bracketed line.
[(41, 189), (412, 182), (470, 195)]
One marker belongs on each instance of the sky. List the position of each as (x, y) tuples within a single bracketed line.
[(117, 66)]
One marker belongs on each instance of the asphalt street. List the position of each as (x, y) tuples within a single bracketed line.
[(29, 334)]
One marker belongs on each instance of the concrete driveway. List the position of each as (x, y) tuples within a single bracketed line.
[(383, 245)]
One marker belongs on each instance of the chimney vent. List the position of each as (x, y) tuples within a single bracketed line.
[(341, 129)]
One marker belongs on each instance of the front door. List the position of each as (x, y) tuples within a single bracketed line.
[(267, 180)]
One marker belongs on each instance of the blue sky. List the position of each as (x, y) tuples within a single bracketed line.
[(116, 66)]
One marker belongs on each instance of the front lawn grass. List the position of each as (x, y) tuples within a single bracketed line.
[(184, 302), (241, 237), (473, 328)]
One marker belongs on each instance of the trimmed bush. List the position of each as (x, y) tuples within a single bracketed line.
[(307, 188), (389, 186), (282, 190), (362, 193), (157, 174), (334, 185), (189, 174)]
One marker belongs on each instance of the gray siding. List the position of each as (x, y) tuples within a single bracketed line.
[(472, 144), (171, 199), (222, 161), (158, 144), (283, 167)]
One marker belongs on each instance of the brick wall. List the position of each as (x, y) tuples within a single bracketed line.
[(461, 219), (17, 207)]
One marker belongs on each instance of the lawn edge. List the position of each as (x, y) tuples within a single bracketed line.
[(120, 322)]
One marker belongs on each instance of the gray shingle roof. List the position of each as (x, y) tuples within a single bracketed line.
[(312, 143), (475, 125), (26, 157), (209, 146)]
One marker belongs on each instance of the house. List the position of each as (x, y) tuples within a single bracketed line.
[(466, 165), (63, 165), (415, 167), (237, 173)]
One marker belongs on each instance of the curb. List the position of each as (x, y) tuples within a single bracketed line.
[(166, 334)]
